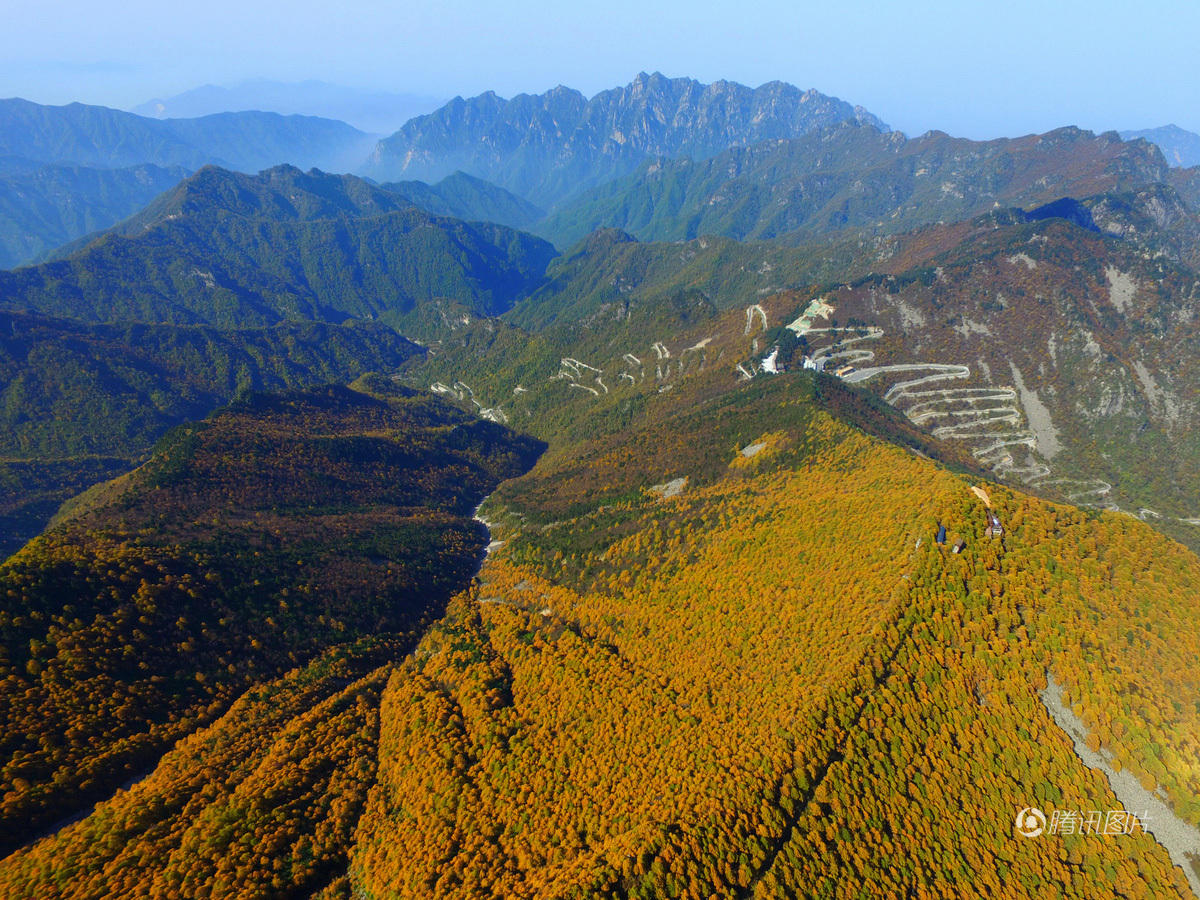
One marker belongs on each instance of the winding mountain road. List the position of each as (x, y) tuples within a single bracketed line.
[(990, 419)]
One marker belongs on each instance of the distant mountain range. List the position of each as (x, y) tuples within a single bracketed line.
[(661, 158), (1180, 147), (378, 112), (109, 138), (553, 145), (536, 150)]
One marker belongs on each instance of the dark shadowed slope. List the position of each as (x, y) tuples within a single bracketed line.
[(248, 544), (79, 403)]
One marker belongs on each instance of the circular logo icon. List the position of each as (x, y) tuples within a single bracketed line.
[(1031, 822)]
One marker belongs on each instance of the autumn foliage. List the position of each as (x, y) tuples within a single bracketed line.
[(772, 684), (248, 544)]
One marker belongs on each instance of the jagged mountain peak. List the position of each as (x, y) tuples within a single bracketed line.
[(547, 147)]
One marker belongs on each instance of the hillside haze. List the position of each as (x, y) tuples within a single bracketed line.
[(376, 112), (44, 207), (109, 138)]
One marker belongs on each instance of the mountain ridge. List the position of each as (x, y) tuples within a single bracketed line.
[(224, 248), (464, 196), (853, 176)]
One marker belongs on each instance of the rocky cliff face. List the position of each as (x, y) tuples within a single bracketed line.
[(1059, 358), (550, 146)]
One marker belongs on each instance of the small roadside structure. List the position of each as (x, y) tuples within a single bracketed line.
[(994, 528), (770, 362), (960, 546), (941, 535)]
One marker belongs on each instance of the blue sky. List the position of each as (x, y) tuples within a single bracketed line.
[(971, 68)]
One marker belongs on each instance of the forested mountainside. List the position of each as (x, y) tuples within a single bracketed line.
[(73, 170), (854, 176), (774, 649), (239, 250), (737, 601), (1187, 183), (74, 389), (548, 147), (247, 545), (99, 137), (47, 206), (463, 196), (81, 403), (612, 270), (780, 592), (1156, 218)]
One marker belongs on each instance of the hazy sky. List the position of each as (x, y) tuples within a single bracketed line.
[(972, 68)]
